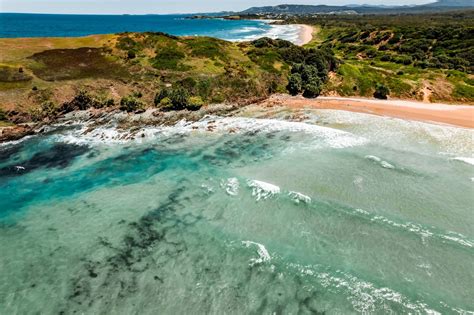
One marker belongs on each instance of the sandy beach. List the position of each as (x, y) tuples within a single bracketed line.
[(306, 34), (456, 115)]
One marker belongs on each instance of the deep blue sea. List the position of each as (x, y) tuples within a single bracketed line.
[(56, 25)]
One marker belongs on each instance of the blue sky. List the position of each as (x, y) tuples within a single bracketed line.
[(163, 7)]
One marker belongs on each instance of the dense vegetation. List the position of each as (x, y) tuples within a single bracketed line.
[(407, 53)]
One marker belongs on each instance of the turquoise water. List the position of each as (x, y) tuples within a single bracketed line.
[(340, 213), (60, 25)]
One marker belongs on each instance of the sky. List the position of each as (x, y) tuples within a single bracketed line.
[(163, 7)]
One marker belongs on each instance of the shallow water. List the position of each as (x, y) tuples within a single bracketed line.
[(341, 213)]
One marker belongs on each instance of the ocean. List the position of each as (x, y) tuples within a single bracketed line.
[(54, 25), (335, 213)]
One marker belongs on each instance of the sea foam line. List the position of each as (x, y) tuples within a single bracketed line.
[(418, 229), (110, 134), (363, 295)]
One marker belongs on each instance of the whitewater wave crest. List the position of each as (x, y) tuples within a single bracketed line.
[(379, 161), (263, 255), (262, 190)]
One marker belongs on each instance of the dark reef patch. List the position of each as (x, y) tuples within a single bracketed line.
[(60, 155), (8, 152)]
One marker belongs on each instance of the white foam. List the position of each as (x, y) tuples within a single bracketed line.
[(299, 197), (413, 136), (418, 229), (332, 137), (467, 160), (207, 188), (379, 161), (385, 164), (363, 295), (287, 32), (458, 240), (262, 190), (231, 186), (110, 134), (373, 158), (263, 255)]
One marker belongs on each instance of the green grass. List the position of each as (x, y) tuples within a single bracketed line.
[(463, 91), (205, 47), (170, 58)]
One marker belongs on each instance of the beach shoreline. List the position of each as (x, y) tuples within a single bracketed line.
[(454, 115), (306, 34)]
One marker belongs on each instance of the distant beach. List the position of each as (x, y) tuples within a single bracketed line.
[(306, 34), (455, 115)]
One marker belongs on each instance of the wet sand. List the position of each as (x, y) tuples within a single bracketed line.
[(456, 115)]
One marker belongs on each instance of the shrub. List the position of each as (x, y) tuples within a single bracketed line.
[(295, 84), (81, 101), (160, 96), (179, 98), (130, 103), (168, 58), (3, 115), (381, 92), (48, 109), (131, 54), (137, 94), (206, 48), (128, 44), (189, 84), (385, 58), (165, 103), (195, 103)]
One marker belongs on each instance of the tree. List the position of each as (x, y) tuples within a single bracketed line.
[(381, 91), (295, 84), (312, 88)]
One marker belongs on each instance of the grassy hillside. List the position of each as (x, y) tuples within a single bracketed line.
[(428, 57), (37, 74), (133, 71)]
